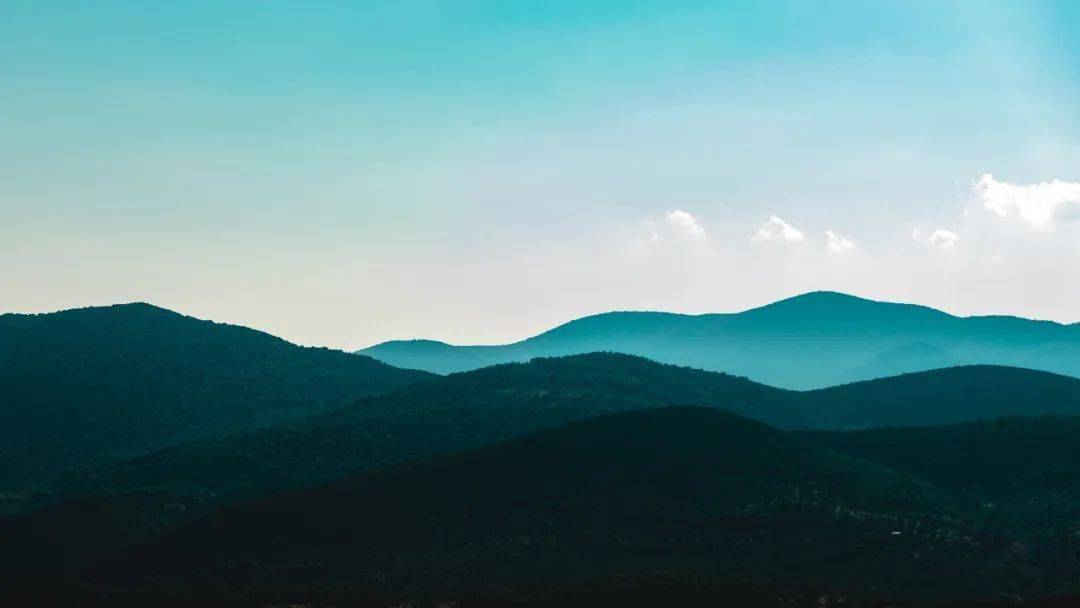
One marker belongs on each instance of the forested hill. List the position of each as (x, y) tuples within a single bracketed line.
[(478, 408), (691, 489), (456, 412), (87, 385), (941, 396), (814, 340)]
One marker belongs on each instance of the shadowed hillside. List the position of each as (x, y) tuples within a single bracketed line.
[(809, 341), (474, 409), (690, 489), (82, 386), (941, 396), (456, 412)]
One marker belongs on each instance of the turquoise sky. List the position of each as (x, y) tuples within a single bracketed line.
[(342, 173)]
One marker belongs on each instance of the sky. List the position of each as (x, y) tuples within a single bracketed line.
[(343, 173)]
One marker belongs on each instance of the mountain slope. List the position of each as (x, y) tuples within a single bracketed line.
[(1023, 455), (456, 412), (478, 408), (943, 396), (809, 341), (701, 498), (79, 387), (685, 489)]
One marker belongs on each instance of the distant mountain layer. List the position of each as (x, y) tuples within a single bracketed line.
[(810, 341), (82, 386), (690, 491), (473, 409)]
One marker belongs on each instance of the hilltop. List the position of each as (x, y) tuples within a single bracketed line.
[(84, 386)]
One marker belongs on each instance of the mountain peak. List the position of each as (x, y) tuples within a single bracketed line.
[(834, 305)]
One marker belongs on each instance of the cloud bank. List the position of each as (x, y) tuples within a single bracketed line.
[(1040, 205)]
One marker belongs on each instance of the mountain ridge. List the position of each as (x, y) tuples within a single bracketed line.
[(807, 341), (470, 409)]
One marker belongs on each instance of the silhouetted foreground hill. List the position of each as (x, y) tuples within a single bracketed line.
[(705, 504), (1020, 465), (473, 409), (701, 493), (82, 386), (687, 489), (809, 341)]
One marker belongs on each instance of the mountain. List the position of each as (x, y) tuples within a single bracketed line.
[(80, 387), (473, 409), (810, 341), (943, 396), (677, 502), (1033, 459), (692, 490), (456, 412)]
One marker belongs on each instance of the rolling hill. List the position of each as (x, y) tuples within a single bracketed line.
[(1033, 459), (80, 387), (474, 409), (810, 341), (695, 493), (708, 501), (693, 490)]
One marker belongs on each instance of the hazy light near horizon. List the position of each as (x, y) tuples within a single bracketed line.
[(346, 173)]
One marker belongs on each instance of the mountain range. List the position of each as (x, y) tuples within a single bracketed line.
[(473, 409), (809, 341), (148, 458)]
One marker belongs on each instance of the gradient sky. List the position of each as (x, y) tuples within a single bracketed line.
[(341, 173)]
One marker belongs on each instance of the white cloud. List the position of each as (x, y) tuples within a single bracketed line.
[(1037, 204), (686, 224), (776, 228), (838, 243), (943, 239)]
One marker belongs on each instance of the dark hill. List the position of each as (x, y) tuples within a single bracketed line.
[(473, 409), (457, 412), (943, 396), (80, 387), (686, 489), (809, 341), (1016, 477), (1015, 454)]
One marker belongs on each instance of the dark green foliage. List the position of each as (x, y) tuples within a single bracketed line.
[(702, 493), (809, 341), (61, 540), (689, 489), (944, 396), (80, 387), (1020, 475), (456, 412), (479, 408), (706, 495)]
